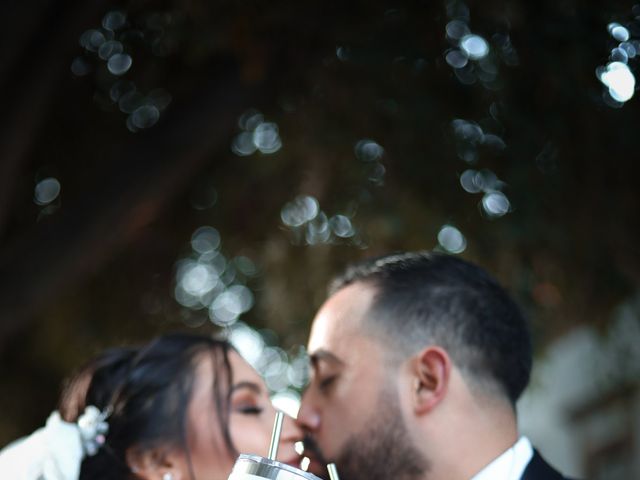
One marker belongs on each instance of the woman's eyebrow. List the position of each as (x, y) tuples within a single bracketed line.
[(249, 385)]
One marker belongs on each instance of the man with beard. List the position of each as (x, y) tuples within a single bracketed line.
[(418, 360)]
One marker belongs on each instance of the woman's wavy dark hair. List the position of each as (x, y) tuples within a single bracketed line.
[(148, 389)]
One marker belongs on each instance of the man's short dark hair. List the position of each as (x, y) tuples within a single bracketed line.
[(427, 298)]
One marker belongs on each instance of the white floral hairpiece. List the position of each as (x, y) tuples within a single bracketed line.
[(93, 428)]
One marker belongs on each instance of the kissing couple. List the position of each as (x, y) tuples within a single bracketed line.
[(418, 360)]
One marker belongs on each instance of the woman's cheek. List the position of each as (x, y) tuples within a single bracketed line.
[(249, 435)]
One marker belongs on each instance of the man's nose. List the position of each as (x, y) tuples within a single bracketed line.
[(308, 416)]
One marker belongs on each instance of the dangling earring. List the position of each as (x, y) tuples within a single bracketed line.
[(167, 476)]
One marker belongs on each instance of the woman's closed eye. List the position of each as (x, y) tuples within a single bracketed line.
[(247, 398), (249, 409)]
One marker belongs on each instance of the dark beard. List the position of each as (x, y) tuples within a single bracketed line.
[(383, 449)]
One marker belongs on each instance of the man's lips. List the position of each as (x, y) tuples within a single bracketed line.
[(312, 450)]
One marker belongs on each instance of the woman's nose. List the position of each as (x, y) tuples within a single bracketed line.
[(291, 432)]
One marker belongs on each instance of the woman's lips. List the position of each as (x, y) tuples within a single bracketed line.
[(293, 461)]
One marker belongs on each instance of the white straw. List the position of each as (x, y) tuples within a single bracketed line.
[(275, 436), (333, 471)]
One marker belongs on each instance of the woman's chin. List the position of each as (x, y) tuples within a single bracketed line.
[(293, 461)]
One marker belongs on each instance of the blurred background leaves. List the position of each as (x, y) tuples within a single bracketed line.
[(191, 165)]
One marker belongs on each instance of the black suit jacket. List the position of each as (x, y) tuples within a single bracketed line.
[(538, 469)]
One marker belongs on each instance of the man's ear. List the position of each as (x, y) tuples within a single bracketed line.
[(431, 370), (154, 463)]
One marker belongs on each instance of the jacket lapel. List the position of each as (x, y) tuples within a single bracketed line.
[(538, 469)]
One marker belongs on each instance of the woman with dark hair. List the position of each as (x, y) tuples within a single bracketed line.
[(178, 408)]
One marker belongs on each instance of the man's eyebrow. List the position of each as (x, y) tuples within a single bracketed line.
[(254, 387), (323, 356)]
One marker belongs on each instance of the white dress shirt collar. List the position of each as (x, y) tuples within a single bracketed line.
[(510, 465)]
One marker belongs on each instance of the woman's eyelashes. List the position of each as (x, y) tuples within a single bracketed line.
[(250, 410), (247, 406)]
